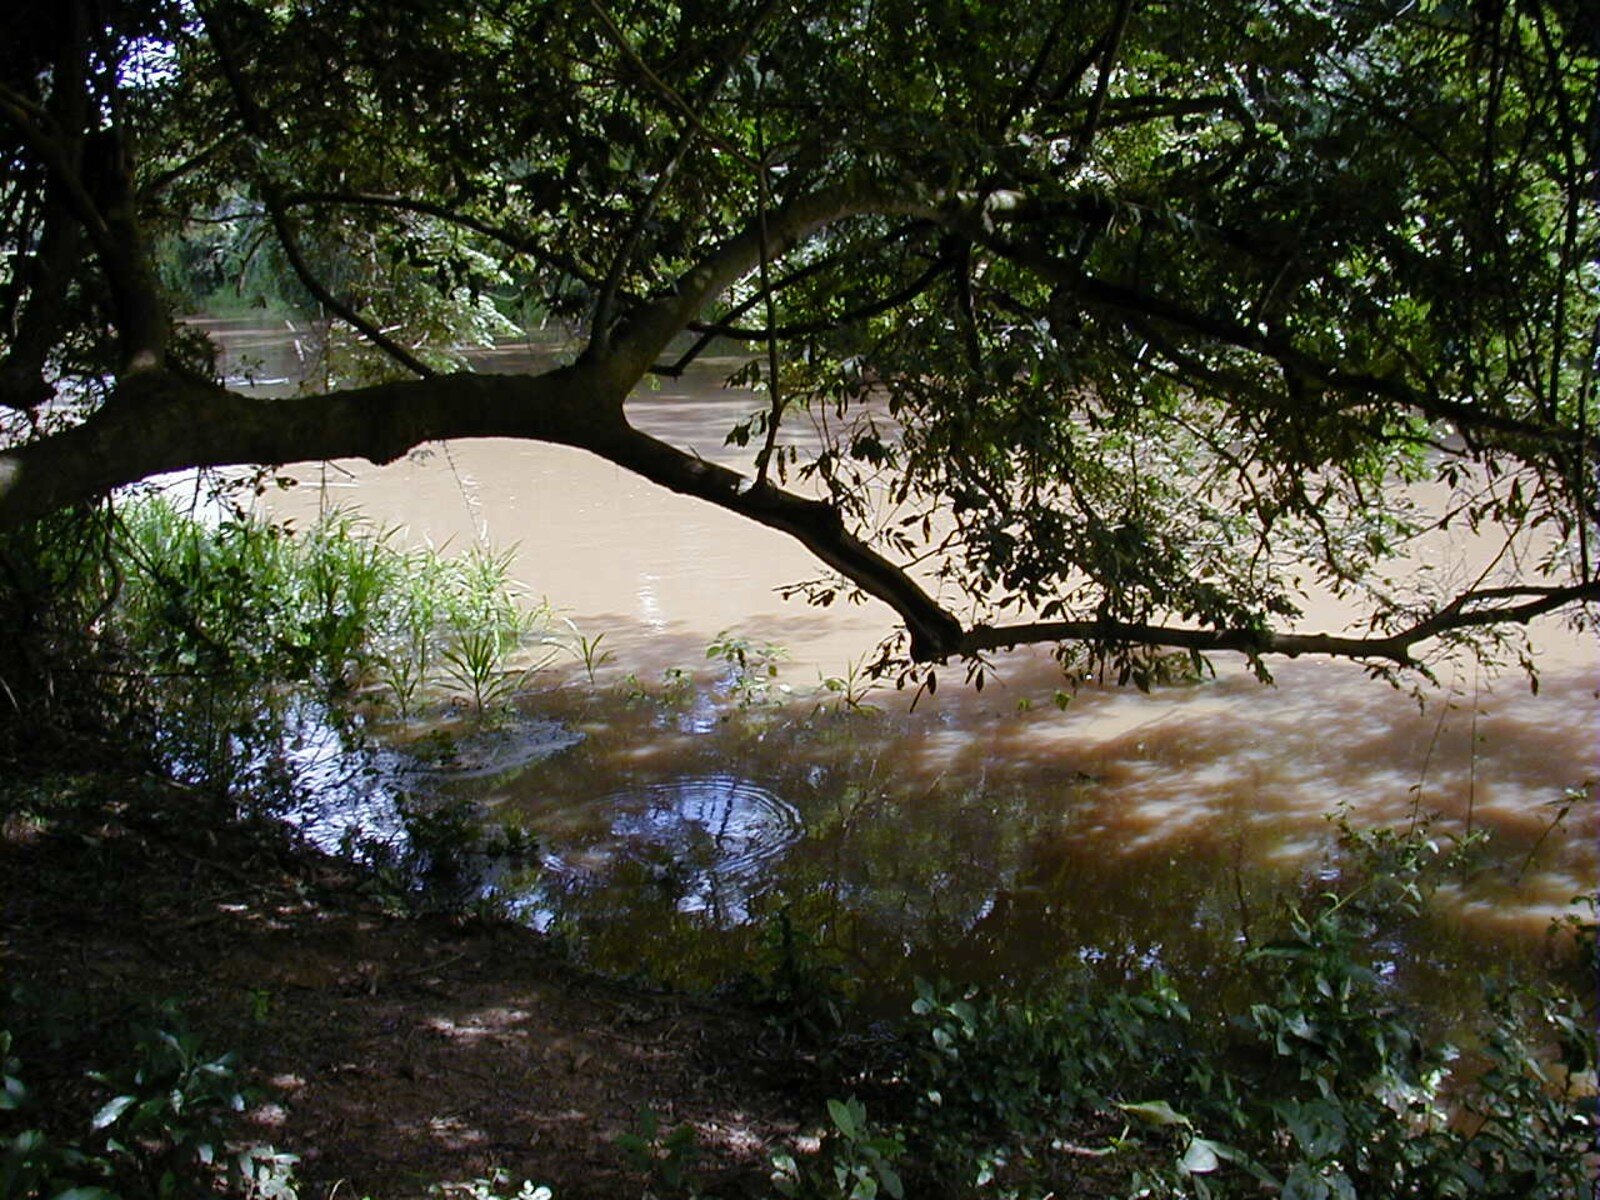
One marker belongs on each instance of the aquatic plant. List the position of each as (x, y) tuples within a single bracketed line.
[(476, 662), (751, 668), (592, 657), (852, 688), (214, 632), (493, 638)]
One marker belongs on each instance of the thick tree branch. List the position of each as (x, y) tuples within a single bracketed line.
[(816, 524), (643, 337), (865, 312), (168, 423), (163, 422)]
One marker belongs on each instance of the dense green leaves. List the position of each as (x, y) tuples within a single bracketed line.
[(1127, 318)]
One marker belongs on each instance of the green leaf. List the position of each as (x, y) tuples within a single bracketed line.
[(14, 1095), (1156, 1112), (1302, 1184), (847, 1116), (1200, 1157), (110, 1111)]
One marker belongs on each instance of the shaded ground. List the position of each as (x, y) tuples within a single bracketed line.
[(388, 1052)]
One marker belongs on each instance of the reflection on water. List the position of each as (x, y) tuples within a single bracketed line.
[(703, 841), (998, 840), (984, 834)]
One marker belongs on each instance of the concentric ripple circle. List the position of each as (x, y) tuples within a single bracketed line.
[(713, 834)]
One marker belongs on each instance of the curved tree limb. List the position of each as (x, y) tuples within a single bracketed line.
[(1466, 418), (166, 422), (162, 421), (1397, 647), (308, 278), (739, 333)]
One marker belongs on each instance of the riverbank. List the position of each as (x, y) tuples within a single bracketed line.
[(390, 1053)]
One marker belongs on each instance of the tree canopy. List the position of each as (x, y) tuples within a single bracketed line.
[(1129, 322)]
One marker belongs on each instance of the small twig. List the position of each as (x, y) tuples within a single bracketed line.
[(775, 398)]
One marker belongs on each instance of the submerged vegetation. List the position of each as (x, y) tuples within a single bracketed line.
[(214, 633), (1323, 1083)]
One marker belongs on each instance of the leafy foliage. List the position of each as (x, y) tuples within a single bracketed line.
[(665, 1157), (1323, 1086), (225, 636), (160, 1134), (1129, 325), (855, 1162)]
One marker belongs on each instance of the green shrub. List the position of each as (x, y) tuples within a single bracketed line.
[(1324, 1088), (158, 1129), (218, 636)]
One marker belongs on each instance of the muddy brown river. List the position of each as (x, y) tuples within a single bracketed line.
[(984, 835)]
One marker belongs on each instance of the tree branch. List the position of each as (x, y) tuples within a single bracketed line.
[(282, 226), (260, 126), (164, 422), (1102, 85), (605, 306), (643, 337), (710, 330), (866, 312), (519, 243), (106, 219), (1257, 643), (1465, 417)]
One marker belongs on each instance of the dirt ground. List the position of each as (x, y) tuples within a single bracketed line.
[(389, 1052)]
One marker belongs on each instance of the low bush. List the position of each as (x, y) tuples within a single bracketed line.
[(217, 637), (1325, 1087), (158, 1128)]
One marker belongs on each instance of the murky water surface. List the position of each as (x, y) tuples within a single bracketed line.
[(984, 835)]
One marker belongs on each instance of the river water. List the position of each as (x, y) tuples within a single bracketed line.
[(984, 835)]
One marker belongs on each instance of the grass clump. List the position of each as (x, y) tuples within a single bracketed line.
[(219, 640)]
